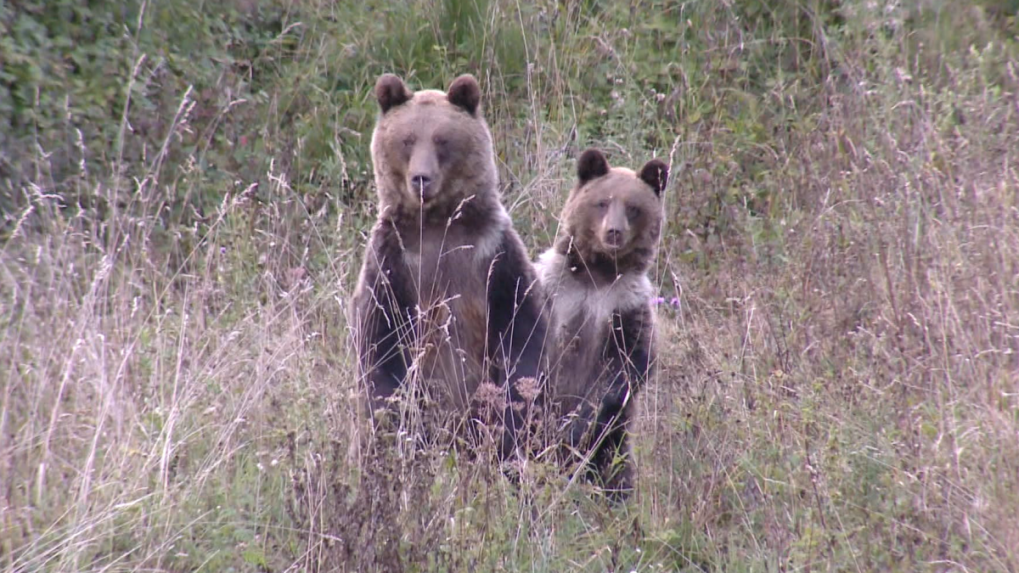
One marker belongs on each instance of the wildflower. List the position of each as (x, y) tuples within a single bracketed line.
[(528, 389), (489, 394)]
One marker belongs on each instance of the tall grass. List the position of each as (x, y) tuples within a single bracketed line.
[(184, 210)]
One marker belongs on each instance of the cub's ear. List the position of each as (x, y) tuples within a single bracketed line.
[(390, 91), (656, 174), (591, 164), (464, 92)]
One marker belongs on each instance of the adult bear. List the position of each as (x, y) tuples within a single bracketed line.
[(447, 299)]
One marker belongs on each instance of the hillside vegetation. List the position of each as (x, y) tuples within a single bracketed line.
[(184, 194)]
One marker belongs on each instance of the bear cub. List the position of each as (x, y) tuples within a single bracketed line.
[(447, 299), (602, 320)]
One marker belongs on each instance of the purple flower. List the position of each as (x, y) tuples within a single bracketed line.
[(674, 301), (222, 250), (659, 300)]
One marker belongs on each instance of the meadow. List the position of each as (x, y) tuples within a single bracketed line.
[(185, 189)]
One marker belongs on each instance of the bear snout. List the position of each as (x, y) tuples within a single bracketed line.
[(615, 227), (423, 186), (614, 238)]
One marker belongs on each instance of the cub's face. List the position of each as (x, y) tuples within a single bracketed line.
[(427, 144), (613, 211)]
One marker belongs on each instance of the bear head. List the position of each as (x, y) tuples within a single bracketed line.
[(431, 149), (614, 215)]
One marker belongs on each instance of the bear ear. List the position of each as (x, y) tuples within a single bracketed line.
[(656, 174), (592, 164), (390, 91), (464, 92)]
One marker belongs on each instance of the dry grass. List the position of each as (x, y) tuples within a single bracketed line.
[(839, 376)]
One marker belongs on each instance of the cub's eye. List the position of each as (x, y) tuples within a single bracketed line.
[(440, 141), (409, 141), (603, 204), (632, 212)]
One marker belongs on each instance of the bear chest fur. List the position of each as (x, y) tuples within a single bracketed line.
[(449, 279), (582, 314)]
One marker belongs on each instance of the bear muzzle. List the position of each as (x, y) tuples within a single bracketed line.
[(424, 174), (614, 238), (615, 228), (423, 187)]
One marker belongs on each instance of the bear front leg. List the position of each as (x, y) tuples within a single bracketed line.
[(611, 464), (384, 305), (628, 354), (517, 332)]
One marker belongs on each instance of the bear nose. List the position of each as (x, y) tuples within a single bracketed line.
[(614, 237), (422, 184)]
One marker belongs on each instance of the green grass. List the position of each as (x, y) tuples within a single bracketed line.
[(184, 192)]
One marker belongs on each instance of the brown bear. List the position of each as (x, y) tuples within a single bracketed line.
[(595, 278), (447, 299)]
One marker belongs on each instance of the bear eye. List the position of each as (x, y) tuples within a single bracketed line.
[(632, 212), (409, 141), (440, 141), (603, 204)]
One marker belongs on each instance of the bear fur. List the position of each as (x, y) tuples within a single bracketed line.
[(602, 318), (447, 299)]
